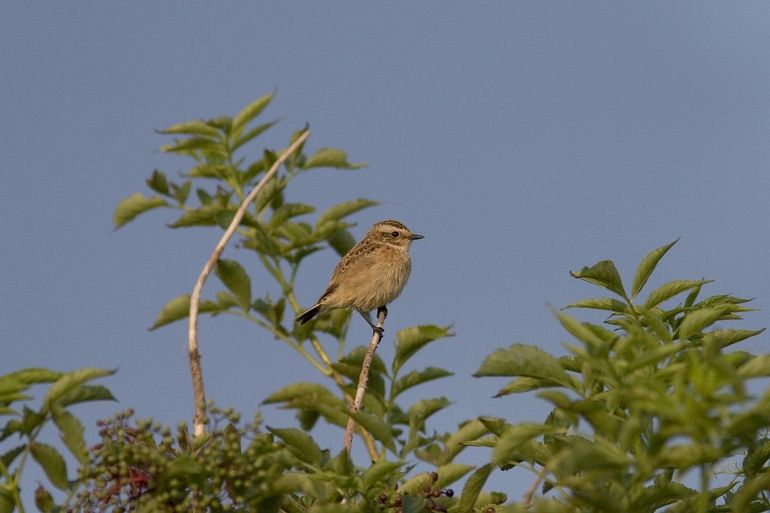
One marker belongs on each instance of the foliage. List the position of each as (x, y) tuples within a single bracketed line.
[(143, 466), (280, 236), (651, 401), (26, 424), (650, 410)]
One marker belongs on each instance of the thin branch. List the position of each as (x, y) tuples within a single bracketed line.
[(530, 493), (192, 333), (363, 378)]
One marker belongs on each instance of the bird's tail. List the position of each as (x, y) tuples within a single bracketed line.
[(308, 314)]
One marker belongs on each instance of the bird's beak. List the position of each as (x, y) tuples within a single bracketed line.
[(414, 236)]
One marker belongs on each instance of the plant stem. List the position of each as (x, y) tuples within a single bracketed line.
[(199, 393), (363, 378)]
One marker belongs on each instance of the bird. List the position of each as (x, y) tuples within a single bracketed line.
[(370, 275)]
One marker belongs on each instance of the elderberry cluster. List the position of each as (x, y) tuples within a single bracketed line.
[(430, 495)]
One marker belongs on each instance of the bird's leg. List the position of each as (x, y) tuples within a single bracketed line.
[(381, 311), (370, 323)]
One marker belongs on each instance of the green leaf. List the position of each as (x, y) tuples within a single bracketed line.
[(273, 188), (758, 366), (378, 429), (208, 170), (193, 145), (420, 411), (450, 473), (671, 289), (377, 473), (235, 278), (342, 210), (194, 127), (264, 242), (7, 503), (295, 482), (524, 360), (342, 465), (158, 183), (473, 487), (176, 309), (203, 197), (330, 157), (341, 241), (455, 443), (31, 419), (184, 467), (755, 459), (684, 456), (10, 386), (240, 140), (514, 437), (8, 457), (747, 494), (71, 380), (300, 443), (604, 303), (333, 410), (85, 393), (307, 418), (647, 266), (695, 322), (30, 376), (134, 205), (52, 463), (603, 274), (44, 500), (410, 340), (415, 378), (288, 211), (728, 337), (524, 384), (298, 391), (71, 432), (495, 425), (579, 330), (203, 216), (250, 112), (355, 358), (413, 504), (415, 484), (181, 192)]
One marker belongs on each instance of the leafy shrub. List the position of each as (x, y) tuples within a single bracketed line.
[(646, 407), (654, 395)]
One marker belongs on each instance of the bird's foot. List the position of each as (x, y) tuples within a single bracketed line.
[(370, 323)]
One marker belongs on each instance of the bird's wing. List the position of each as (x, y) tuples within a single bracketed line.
[(359, 255)]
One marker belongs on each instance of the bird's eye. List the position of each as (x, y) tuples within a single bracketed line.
[(394, 234)]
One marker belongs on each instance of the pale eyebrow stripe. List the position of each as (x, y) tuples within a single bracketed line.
[(390, 224)]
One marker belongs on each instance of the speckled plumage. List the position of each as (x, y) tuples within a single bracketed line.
[(371, 274)]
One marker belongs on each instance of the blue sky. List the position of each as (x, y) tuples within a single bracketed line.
[(524, 139)]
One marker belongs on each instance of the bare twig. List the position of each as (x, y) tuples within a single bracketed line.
[(527, 499), (363, 378), (192, 333)]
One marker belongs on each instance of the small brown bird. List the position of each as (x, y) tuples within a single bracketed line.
[(371, 275)]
